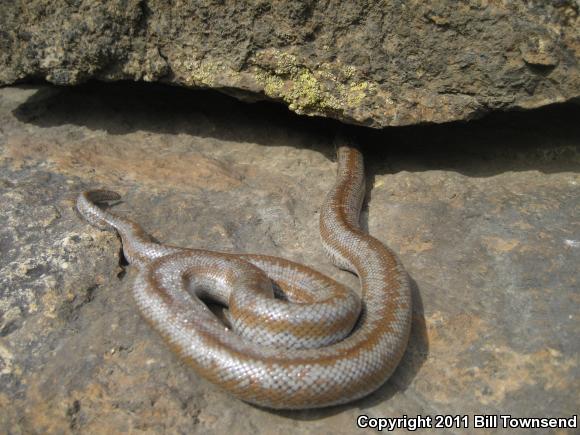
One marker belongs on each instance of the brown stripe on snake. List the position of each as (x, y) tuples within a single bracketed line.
[(269, 358)]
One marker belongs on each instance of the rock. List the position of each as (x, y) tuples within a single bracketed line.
[(369, 63), (483, 214)]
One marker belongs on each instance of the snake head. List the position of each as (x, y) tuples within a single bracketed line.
[(88, 206)]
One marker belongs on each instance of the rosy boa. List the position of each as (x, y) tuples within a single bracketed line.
[(317, 344)]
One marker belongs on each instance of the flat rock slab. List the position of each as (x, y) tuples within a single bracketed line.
[(484, 216), (370, 63)]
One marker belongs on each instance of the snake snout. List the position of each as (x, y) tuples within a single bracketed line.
[(97, 196), (88, 207)]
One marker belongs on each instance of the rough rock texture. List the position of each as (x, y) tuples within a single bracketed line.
[(484, 216), (374, 63)]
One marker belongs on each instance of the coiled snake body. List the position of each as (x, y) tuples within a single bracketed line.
[(318, 345)]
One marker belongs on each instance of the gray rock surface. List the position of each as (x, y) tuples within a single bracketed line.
[(373, 63), (484, 216)]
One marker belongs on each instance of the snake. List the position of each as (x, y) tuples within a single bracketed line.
[(292, 337)]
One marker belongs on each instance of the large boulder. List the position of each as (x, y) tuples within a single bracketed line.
[(373, 63)]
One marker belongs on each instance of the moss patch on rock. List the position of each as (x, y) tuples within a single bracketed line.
[(329, 88)]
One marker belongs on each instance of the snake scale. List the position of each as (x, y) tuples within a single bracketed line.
[(295, 339)]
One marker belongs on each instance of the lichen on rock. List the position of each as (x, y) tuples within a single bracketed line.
[(327, 90)]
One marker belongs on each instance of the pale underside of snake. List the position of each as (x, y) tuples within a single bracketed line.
[(296, 339)]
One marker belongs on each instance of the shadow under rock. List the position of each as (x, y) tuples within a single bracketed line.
[(125, 107), (546, 139)]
